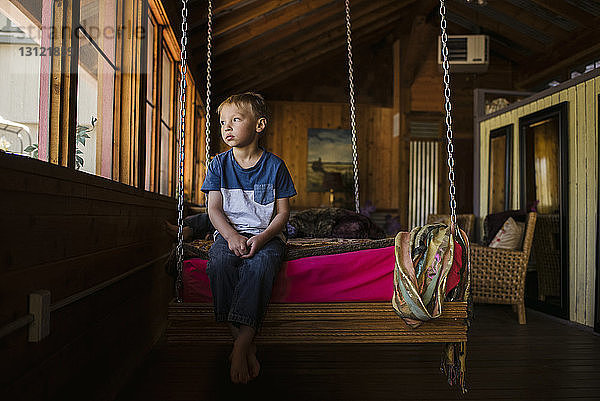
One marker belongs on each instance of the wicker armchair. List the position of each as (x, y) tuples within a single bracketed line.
[(466, 222), (498, 275)]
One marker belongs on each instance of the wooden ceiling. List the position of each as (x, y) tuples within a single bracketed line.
[(258, 43)]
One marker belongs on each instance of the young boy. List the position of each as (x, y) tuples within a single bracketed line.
[(248, 204)]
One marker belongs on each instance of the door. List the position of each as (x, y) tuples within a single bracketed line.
[(544, 175)]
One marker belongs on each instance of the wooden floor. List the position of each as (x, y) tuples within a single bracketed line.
[(547, 359)]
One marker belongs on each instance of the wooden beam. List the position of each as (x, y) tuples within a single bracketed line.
[(297, 63), (407, 60), (568, 11), (401, 106), (581, 48), (496, 46), (422, 37), (265, 23), (291, 56), (291, 46), (198, 17), (282, 36), (63, 95), (470, 13), (247, 14), (521, 15)]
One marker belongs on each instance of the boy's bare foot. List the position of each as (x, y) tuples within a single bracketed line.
[(253, 365), (239, 363)]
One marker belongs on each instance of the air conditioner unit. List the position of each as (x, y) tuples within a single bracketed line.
[(466, 53)]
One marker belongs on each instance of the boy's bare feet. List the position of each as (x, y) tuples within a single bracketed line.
[(239, 363), (252, 362), (253, 365)]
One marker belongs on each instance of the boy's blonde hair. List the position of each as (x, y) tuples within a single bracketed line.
[(248, 99)]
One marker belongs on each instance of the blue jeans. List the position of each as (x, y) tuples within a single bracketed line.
[(241, 288)]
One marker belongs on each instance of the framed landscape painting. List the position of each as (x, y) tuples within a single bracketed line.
[(329, 166)]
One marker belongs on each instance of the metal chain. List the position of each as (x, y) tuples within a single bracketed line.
[(208, 79), (182, 115), (448, 107), (352, 107)]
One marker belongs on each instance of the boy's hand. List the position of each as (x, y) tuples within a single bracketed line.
[(255, 243), (237, 245)]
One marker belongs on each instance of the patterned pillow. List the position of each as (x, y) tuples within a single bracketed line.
[(510, 235), (493, 223)]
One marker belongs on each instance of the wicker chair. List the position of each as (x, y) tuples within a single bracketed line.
[(466, 222), (546, 247), (498, 275)]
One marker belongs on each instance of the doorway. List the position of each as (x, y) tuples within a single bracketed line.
[(544, 180)]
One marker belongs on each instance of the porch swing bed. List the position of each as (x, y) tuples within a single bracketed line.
[(329, 290)]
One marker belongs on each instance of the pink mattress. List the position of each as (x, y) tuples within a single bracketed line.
[(366, 275)]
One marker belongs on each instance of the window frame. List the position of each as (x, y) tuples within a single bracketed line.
[(130, 95), (508, 132)]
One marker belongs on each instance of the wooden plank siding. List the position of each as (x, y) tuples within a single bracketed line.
[(65, 232), (582, 186), (287, 137)]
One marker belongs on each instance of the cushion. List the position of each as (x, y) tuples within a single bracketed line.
[(333, 223), (509, 236), (493, 223)]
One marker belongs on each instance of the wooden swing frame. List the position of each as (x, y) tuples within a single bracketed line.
[(321, 323)]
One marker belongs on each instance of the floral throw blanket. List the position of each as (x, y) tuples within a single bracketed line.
[(432, 267)]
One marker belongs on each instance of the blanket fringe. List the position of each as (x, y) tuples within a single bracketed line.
[(453, 364)]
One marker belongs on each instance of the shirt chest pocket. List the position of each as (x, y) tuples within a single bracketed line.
[(264, 194)]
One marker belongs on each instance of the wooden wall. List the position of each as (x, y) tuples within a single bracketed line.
[(583, 180), (66, 231), (327, 82), (378, 157)]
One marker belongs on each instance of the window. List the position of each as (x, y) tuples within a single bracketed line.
[(96, 87), (500, 169), (166, 124), (150, 106), (22, 53)]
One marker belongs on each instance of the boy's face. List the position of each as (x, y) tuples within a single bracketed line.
[(239, 127)]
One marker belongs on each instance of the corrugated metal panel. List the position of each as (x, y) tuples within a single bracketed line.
[(423, 177)]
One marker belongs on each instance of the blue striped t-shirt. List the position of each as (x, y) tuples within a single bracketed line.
[(249, 194)]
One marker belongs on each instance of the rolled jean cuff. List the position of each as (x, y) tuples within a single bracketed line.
[(243, 320)]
